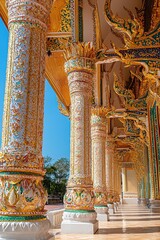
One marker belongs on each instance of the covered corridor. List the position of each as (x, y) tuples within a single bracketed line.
[(102, 60), (130, 222)]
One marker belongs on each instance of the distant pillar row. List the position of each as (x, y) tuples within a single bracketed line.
[(79, 198), (22, 196), (98, 136)]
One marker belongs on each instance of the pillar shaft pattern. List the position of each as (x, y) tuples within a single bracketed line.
[(116, 180), (113, 176), (119, 180), (21, 162), (109, 168), (124, 180), (79, 67), (98, 135)]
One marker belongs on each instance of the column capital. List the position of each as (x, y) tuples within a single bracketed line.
[(17, 162), (99, 111), (29, 12), (80, 57), (98, 127)]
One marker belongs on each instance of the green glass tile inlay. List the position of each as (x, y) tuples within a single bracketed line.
[(21, 218)]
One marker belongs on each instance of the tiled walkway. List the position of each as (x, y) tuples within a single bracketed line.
[(54, 207), (131, 222)]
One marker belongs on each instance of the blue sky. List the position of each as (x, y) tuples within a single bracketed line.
[(56, 126)]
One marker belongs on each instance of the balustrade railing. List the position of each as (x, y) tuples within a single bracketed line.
[(55, 217)]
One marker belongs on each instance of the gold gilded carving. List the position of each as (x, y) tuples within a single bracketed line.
[(99, 111), (155, 14), (63, 109), (80, 50), (22, 195), (98, 136), (17, 162), (79, 67), (21, 161), (140, 48), (137, 153), (60, 17), (80, 57), (79, 198), (120, 90), (131, 27), (57, 44)]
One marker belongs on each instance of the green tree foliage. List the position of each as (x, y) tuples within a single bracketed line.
[(62, 170), (56, 176)]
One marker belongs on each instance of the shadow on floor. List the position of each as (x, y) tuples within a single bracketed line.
[(128, 230), (130, 220), (128, 215)]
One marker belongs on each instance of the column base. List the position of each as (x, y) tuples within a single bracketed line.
[(103, 217), (102, 213), (111, 208), (79, 222), (148, 202), (138, 200), (155, 206), (115, 206), (143, 202), (29, 230)]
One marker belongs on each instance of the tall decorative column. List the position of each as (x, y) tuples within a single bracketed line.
[(120, 181), (116, 180), (79, 215), (109, 155), (154, 153), (143, 200), (22, 196), (124, 180), (98, 136), (142, 192)]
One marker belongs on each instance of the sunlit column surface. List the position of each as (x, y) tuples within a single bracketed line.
[(79, 198), (22, 196), (110, 146), (118, 182), (109, 155), (124, 180), (98, 135), (114, 178), (143, 192)]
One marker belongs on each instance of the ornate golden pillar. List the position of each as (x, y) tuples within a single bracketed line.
[(109, 155), (142, 183), (79, 215), (124, 180), (143, 192), (22, 196), (98, 136), (116, 180)]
